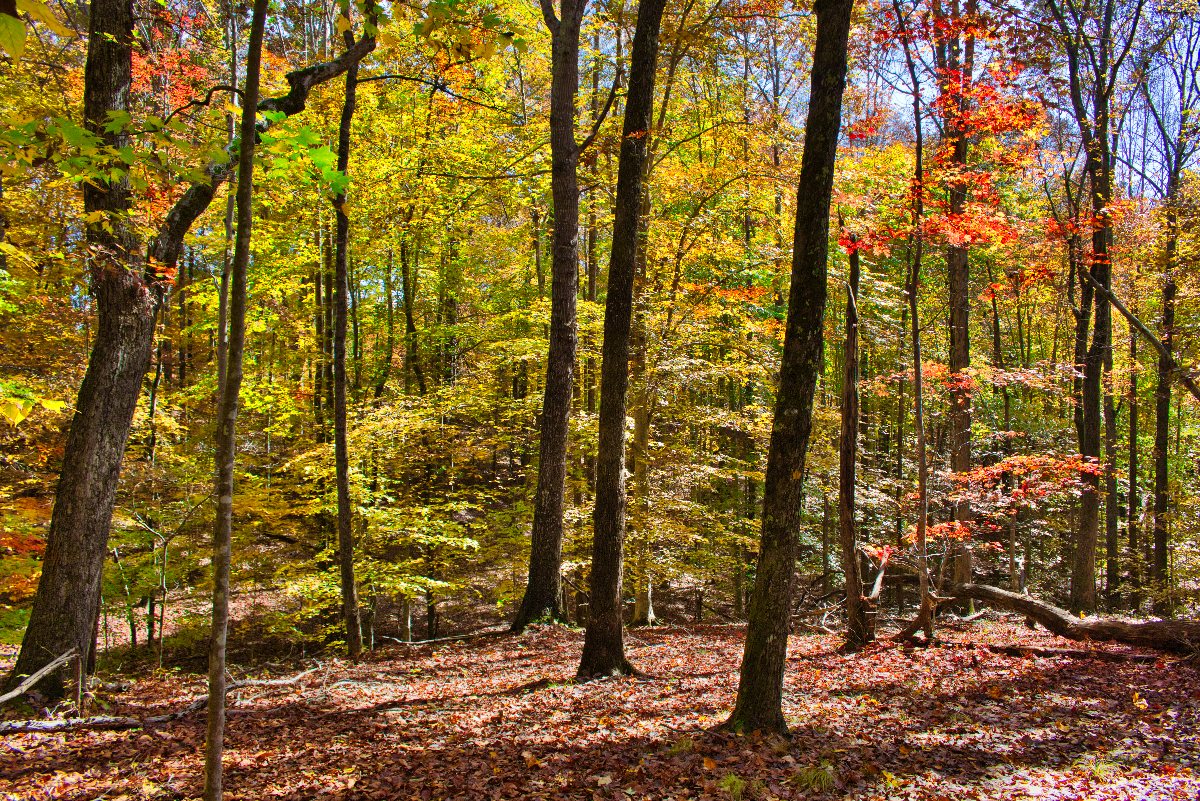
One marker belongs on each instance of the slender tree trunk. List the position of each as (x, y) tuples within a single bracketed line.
[(1159, 578), (604, 646), (389, 346), (543, 592), (857, 632), (760, 688), (350, 613), (926, 607), (68, 595), (1134, 499), (226, 444)]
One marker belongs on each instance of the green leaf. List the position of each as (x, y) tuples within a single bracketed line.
[(12, 36)]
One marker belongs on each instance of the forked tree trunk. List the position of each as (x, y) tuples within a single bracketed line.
[(543, 592), (759, 703), (604, 645), (341, 287), (226, 444)]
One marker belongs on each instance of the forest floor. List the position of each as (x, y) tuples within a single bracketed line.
[(500, 717)]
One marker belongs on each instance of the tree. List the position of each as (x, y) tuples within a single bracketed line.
[(543, 592), (128, 291), (857, 631), (760, 688), (227, 413), (1172, 98), (603, 644), (1097, 41), (341, 447)]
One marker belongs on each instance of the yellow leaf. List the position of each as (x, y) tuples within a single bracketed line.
[(343, 24), (14, 410), (40, 12)]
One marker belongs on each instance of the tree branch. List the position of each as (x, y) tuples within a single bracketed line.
[(1185, 376), (168, 243)]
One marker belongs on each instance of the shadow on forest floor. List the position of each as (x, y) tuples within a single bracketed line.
[(502, 718)]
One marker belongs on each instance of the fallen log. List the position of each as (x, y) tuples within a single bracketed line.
[(1177, 636)]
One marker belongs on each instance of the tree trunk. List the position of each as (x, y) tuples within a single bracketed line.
[(226, 444), (350, 614), (1162, 430), (543, 592), (926, 604), (67, 600), (857, 633), (760, 688), (604, 646), (389, 347)]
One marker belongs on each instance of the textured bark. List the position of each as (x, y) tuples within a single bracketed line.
[(341, 448), (68, 595), (857, 633), (543, 592), (604, 646), (760, 688), (1177, 636), (227, 412)]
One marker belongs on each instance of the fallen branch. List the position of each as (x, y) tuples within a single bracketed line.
[(117, 722), (1178, 636), (1071, 653), (37, 676)]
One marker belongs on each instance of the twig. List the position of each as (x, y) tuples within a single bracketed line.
[(37, 676)]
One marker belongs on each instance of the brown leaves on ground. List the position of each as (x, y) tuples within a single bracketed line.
[(502, 718)]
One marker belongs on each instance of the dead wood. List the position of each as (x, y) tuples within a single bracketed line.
[(1176, 636)]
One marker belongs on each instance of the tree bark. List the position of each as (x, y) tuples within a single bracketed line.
[(604, 646), (226, 440), (543, 592), (760, 688), (341, 290)]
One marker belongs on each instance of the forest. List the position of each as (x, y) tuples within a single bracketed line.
[(706, 399)]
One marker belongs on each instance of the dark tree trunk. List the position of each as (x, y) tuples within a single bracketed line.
[(341, 290), (68, 595), (543, 593), (226, 440), (760, 689), (857, 633), (604, 646)]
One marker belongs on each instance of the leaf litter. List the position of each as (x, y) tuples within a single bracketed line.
[(502, 717)]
